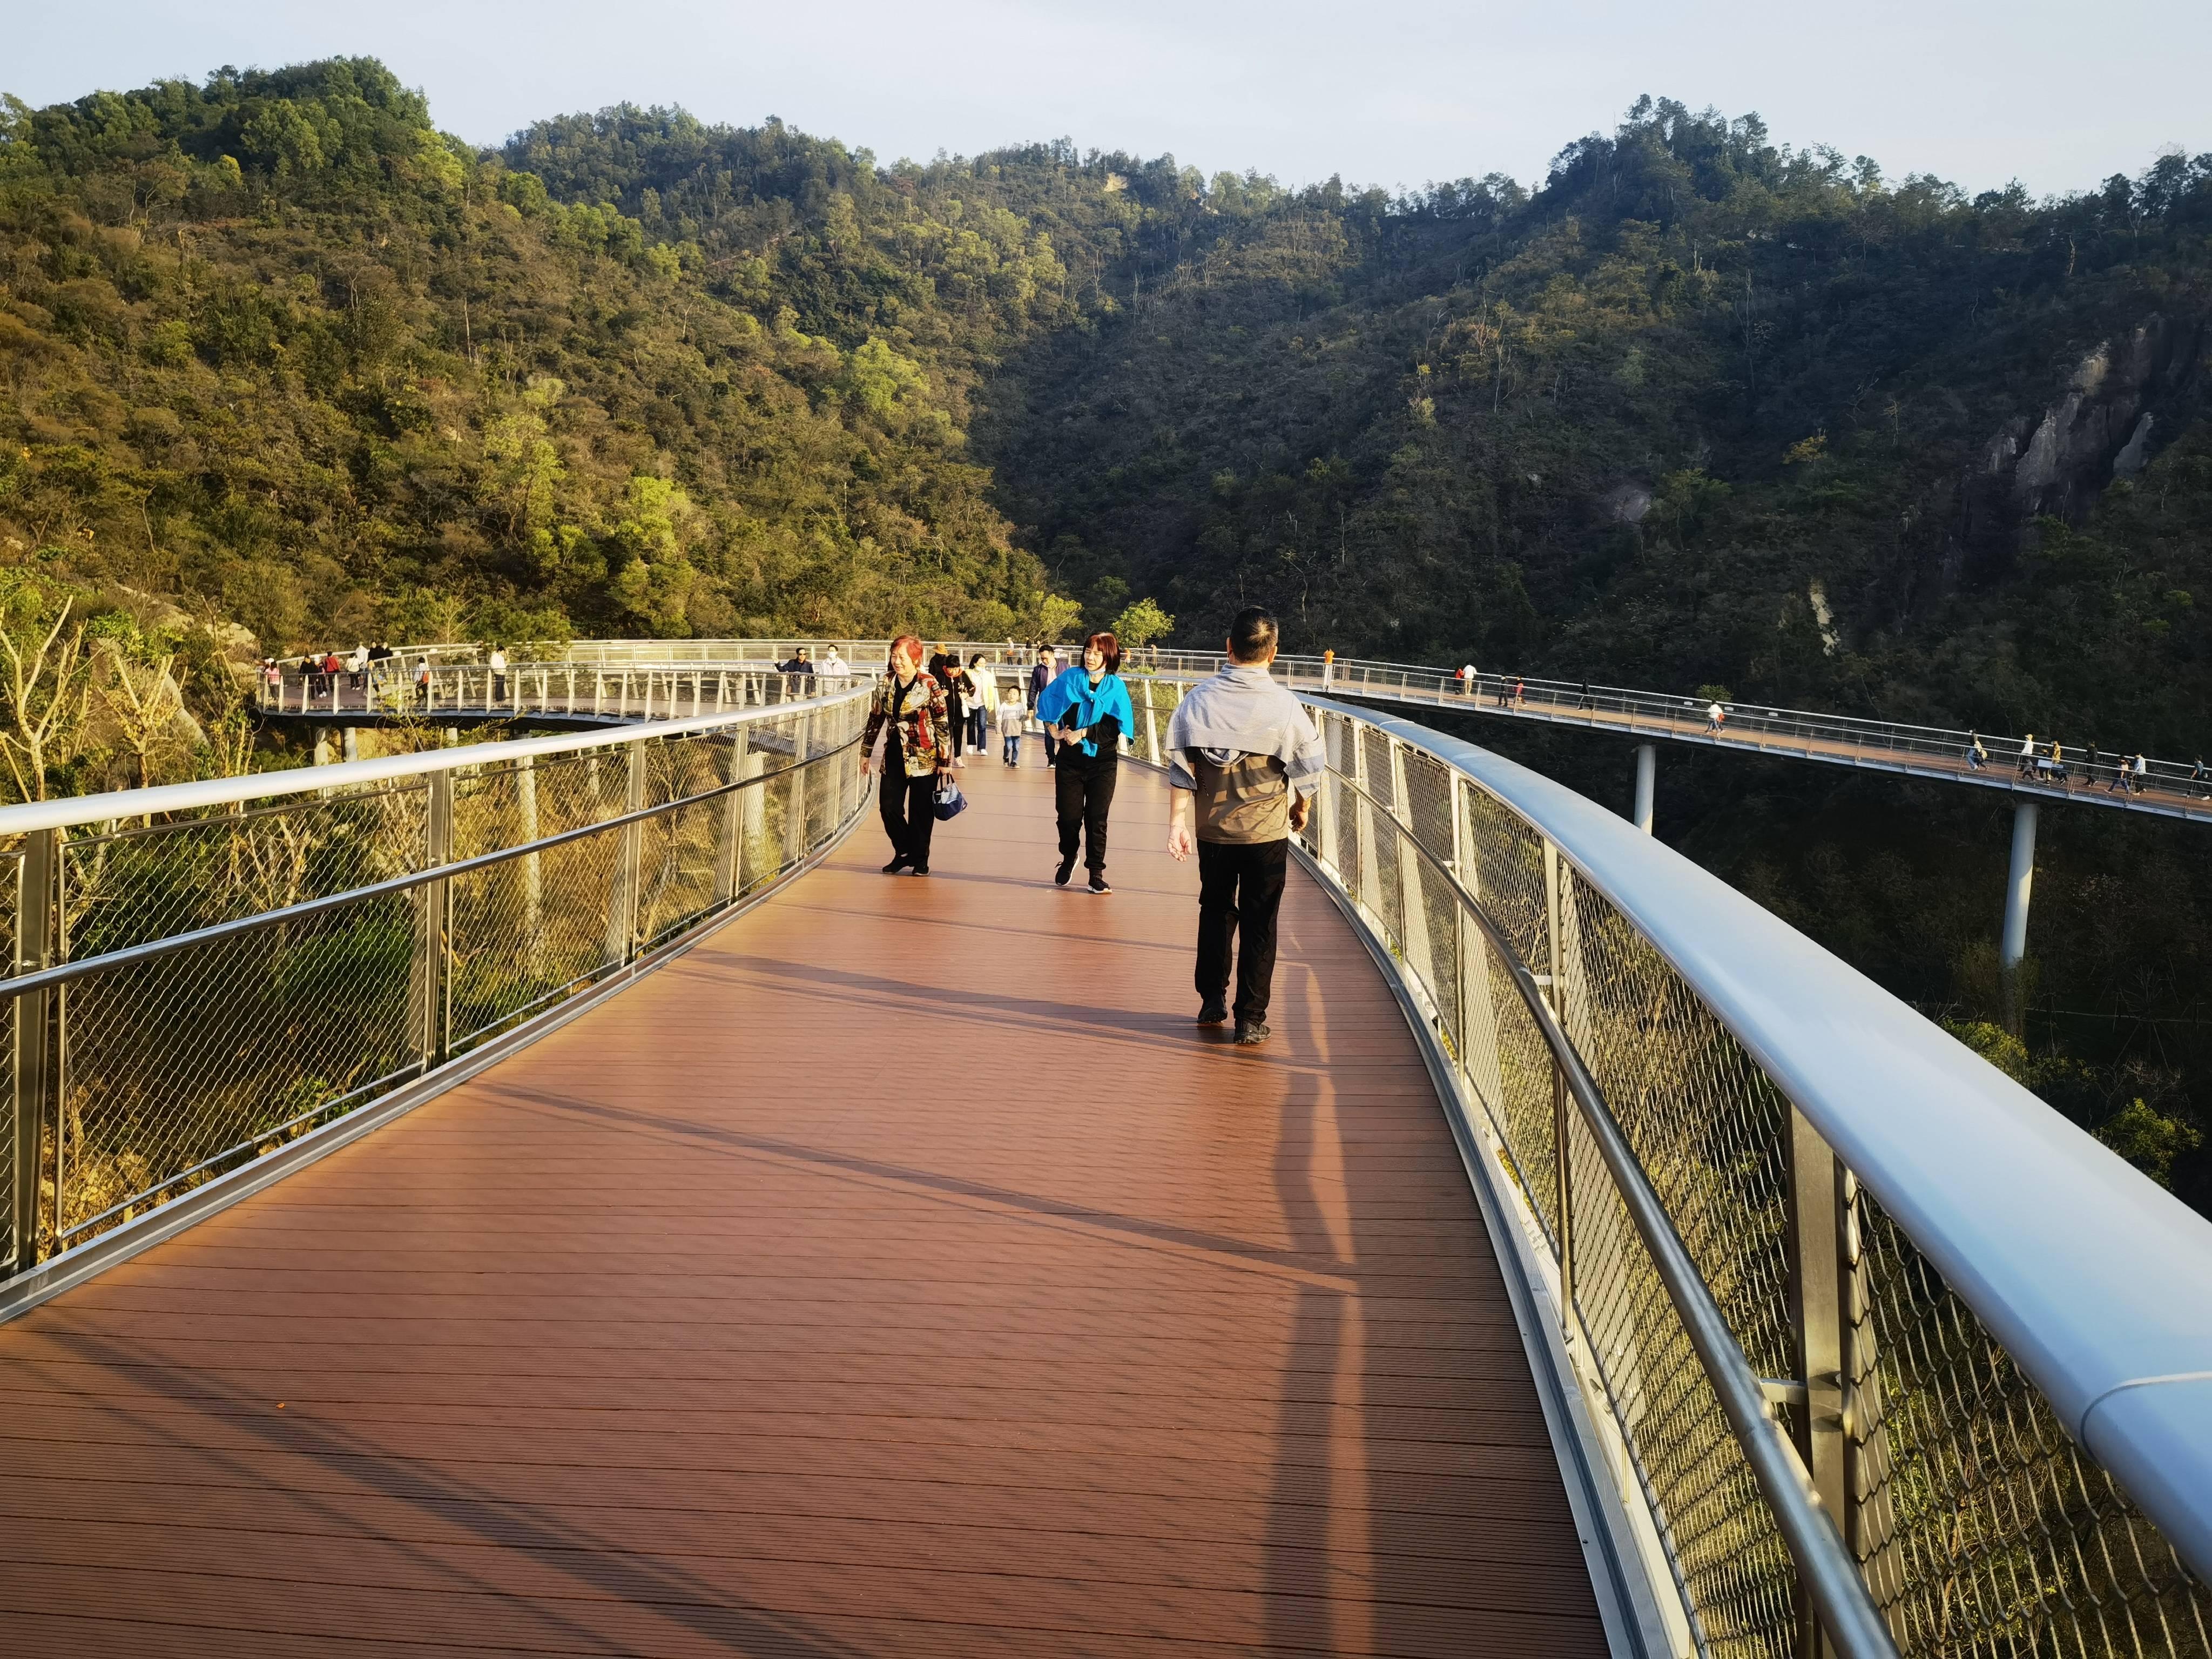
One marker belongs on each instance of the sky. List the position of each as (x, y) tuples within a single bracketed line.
[(1394, 92)]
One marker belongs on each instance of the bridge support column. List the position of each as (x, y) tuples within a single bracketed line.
[(350, 743), (1647, 777), (2013, 944), (322, 748)]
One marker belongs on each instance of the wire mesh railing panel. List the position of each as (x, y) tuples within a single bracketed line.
[(1984, 1528), (130, 884), (1981, 1529), (177, 1067), (525, 932), (225, 981)]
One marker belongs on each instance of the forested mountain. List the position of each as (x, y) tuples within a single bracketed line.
[(1699, 410)]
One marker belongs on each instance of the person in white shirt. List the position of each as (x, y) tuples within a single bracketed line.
[(1715, 716), (1468, 679), (833, 669), (498, 665), (982, 701)]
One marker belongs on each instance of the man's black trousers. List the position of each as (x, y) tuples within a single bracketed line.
[(909, 813), (1240, 888), (1083, 790)]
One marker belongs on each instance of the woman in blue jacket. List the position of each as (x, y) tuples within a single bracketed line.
[(1091, 707)]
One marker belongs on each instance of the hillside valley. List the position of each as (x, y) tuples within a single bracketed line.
[(286, 367)]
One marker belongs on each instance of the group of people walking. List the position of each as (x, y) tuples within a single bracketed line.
[(2129, 775), (1245, 763)]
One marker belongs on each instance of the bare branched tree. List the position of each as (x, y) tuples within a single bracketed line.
[(48, 687)]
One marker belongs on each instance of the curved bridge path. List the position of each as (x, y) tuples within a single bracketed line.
[(899, 1272)]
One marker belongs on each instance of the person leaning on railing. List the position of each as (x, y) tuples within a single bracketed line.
[(1245, 762), (910, 706)]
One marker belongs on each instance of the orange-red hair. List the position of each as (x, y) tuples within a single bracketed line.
[(913, 645)]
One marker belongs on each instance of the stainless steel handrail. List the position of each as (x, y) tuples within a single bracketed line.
[(1846, 1610)]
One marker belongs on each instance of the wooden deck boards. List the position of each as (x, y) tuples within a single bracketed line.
[(901, 1273)]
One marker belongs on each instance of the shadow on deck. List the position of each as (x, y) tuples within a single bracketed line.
[(899, 1272)]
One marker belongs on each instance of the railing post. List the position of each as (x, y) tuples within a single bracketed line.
[(1362, 821), (729, 850), (1869, 1520), (425, 988), (1562, 1111), (34, 921), (622, 902), (1325, 806), (1413, 923), (794, 805), (1152, 725), (1817, 1248), (533, 877)]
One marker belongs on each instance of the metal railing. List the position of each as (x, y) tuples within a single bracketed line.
[(2173, 788), (207, 974), (1749, 1173)]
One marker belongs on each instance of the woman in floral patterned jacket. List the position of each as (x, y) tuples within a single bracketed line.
[(919, 748)]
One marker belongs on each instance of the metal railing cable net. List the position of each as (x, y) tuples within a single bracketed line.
[(1977, 1523), (233, 964)]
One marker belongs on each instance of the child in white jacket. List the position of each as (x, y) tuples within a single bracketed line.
[(1013, 715)]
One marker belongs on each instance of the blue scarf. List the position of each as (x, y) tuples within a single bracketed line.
[(1091, 704)]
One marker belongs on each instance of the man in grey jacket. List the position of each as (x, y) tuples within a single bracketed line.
[(1245, 762)]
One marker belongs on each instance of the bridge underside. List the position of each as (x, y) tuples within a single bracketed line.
[(899, 1272)]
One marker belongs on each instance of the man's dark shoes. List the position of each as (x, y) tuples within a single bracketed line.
[(1098, 882), (1066, 867), (895, 865), (921, 869), (1251, 1033), (1213, 1014)]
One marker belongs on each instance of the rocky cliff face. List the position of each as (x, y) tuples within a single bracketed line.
[(2106, 425)]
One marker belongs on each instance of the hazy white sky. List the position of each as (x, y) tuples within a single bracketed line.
[(2058, 94)]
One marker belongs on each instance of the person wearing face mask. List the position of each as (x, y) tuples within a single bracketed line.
[(910, 706), (1091, 705)]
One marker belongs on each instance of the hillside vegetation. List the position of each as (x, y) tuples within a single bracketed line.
[(1701, 410)]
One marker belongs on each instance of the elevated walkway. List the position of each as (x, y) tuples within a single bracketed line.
[(898, 1271)]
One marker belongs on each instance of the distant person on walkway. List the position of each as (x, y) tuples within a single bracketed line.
[(1091, 705), (983, 701), (357, 668), (272, 681), (1244, 763), (332, 668), (2026, 767), (1716, 717), (835, 670), (908, 706), (1469, 681), (2142, 774), (1041, 677), (2200, 779), (946, 670), (1977, 757), (1013, 715), (497, 663), (1520, 694)]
